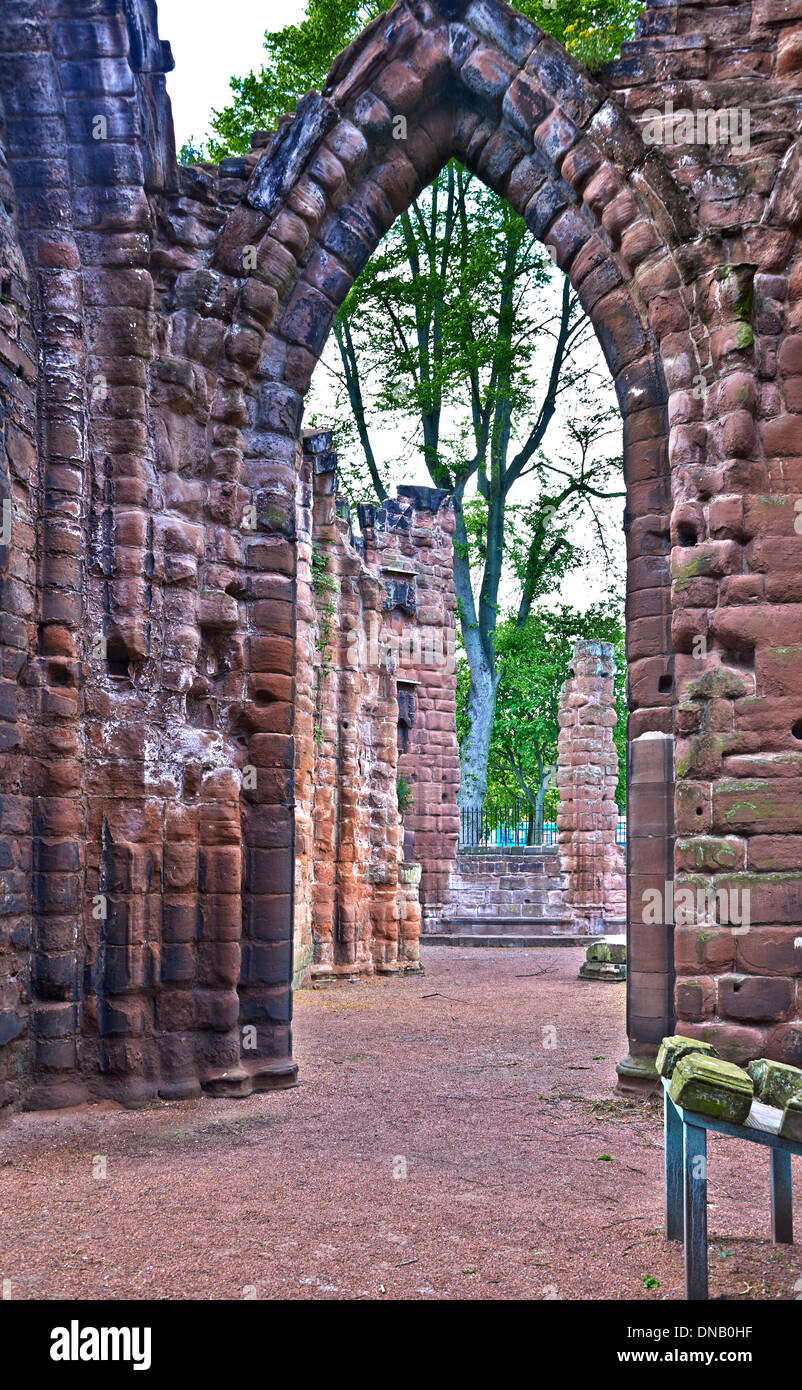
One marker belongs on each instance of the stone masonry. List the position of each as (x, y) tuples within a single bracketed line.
[(376, 690), (587, 776), (513, 892), (158, 333), (573, 890)]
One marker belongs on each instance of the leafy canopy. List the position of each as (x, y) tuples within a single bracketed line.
[(299, 56), (533, 660)]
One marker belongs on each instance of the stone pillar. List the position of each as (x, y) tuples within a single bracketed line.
[(650, 935), (356, 908), (410, 542), (587, 774)]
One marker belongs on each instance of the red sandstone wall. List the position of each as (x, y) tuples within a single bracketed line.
[(158, 912), (423, 644), (157, 494), (374, 619), (587, 776), (18, 466)]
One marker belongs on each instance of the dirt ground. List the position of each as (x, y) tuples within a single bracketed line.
[(454, 1135)]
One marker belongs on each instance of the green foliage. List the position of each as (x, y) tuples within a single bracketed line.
[(404, 794), (325, 587), (591, 30), (323, 582), (533, 659), (299, 56), (439, 318), (192, 152)]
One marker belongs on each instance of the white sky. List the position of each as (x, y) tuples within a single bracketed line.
[(212, 42)]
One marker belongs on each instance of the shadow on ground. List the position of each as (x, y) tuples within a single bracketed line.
[(454, 1135)]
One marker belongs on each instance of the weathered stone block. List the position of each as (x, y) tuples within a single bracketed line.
[(673, 1049), (775, 1083), (713, 1087)]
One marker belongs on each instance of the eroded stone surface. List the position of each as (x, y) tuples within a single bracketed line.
[(587, 776), (375, 701), (158, 334)]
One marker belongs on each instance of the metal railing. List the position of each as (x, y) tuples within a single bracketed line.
[(490, 826), (513, 825)]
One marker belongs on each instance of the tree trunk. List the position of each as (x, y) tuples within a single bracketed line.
[(540, 800), (480, 709), (481, 702)]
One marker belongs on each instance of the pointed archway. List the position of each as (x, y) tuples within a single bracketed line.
[(479, 83)]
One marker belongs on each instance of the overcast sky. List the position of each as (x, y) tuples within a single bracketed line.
[(213, 41)]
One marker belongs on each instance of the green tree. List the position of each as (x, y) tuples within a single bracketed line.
[(447, 331), (448, 335), (533, 658), (299, 56), (192, 152)]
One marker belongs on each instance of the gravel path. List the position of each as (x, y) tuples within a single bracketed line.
[(455, 1135)]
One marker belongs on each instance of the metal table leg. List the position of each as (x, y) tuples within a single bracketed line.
[(695, 1182), (782, 1213), (672, 1125)]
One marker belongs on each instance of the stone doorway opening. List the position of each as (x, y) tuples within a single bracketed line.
[(567, 886), (471, 91)]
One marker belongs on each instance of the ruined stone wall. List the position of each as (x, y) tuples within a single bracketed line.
[(160, 329), (412, 546), (18, 479), (519, 890), (146, 957), (587, 776), (375, 650)]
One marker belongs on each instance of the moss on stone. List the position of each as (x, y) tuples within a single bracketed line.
[(672, 1049), (711, 1086), (791, 1124), (717, 683), (685, 574), (722, 853), (744, 337), (775, 1082)]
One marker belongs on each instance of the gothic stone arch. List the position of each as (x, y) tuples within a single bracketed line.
[(519, 113), (176, 318)]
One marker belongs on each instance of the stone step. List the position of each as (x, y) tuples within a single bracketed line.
[(507, 883), (499, 939), (506, 907), (522, 922), (507, 851), (523, 868)]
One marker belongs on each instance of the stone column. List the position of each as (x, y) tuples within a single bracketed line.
[(587, 774)]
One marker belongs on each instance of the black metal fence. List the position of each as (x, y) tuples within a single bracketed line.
[(513, 825), (489, 826)]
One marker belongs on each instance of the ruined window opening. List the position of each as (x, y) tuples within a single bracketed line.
[(117, 659)]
